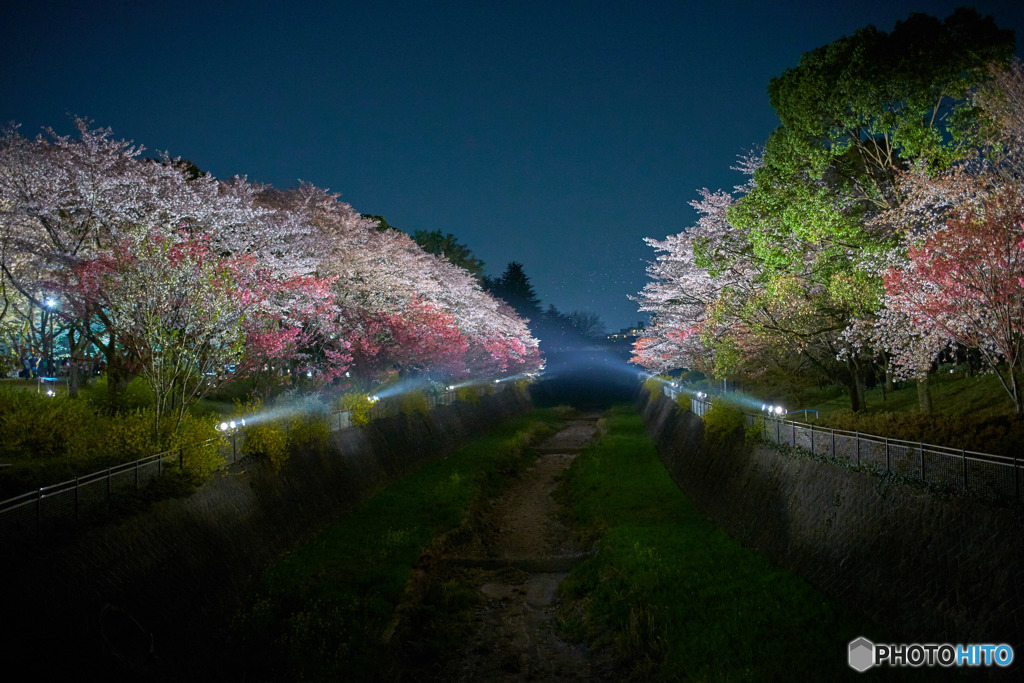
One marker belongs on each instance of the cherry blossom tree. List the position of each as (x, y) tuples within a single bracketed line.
[(176, 309), (321, 290), (966, 280)]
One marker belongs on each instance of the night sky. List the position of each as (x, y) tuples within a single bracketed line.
[(557, 134)]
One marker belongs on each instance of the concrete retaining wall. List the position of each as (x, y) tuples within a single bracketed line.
[(935, 570), (183, 567)]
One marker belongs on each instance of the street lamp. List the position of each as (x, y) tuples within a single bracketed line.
[(230, 428), (50, 303)]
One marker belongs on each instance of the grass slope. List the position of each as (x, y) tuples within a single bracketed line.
[(678, 599), (320, 613)]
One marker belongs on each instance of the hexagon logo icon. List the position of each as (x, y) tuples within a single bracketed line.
[(862, 654)]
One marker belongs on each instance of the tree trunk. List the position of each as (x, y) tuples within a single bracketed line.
[(855, 385), (1018, 400), (76, 348), (118, 379), (73, 379), (924, 395)]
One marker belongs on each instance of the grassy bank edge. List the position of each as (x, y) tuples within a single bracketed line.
[(325, 610), (676, 598)]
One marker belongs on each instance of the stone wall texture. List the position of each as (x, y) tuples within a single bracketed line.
[(932, 569), (182, 568)]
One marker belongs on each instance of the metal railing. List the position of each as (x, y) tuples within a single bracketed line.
[(984, 474), (68, 501)]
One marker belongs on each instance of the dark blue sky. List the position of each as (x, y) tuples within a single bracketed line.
[(557, 134)]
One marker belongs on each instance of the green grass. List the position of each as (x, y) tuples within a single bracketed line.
[(678, 599), (952, 394), (321, 611)]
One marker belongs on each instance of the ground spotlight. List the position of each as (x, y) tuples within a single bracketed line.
[(374, 399), (230, 426)]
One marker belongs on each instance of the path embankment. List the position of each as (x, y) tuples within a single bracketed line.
[(937, 569), (521, 551)]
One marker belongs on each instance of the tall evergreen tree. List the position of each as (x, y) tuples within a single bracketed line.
[(515, 289)]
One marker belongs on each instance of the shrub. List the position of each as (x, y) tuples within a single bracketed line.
[(310, 434), (267, 440), (468, 394), (131, 436), (412, 402), (723, 423), (358, 405), (200, 445), (652, 385)]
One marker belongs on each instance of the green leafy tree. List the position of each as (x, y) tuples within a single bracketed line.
[(855, 114)]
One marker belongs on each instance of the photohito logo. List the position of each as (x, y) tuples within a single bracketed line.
[(863, 654)]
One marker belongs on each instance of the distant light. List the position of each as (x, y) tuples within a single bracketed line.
[(50, 303), (496, 381), (50, 392), (309, 373), (348, 374)]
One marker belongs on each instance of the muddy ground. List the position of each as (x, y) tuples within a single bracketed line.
[(515, 558)]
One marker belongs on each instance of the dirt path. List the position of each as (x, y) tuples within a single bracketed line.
[(516, 563)]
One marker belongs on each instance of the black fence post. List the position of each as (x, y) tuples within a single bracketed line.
[(76, 497), (1016, 481), (887, 468), (963, 458), (922, 462)]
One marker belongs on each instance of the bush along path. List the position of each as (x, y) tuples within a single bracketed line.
[(513, 558)]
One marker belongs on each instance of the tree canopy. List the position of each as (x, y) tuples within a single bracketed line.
[(792, 263)]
